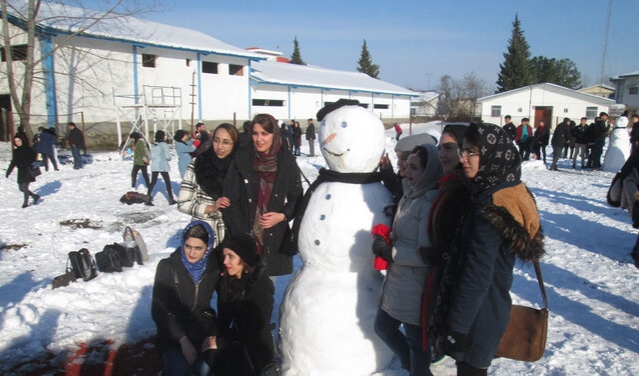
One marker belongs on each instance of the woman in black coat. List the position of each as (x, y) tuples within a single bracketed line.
[(23, 157), (502, 224), (264, 186), (245, 302), (182, 291)]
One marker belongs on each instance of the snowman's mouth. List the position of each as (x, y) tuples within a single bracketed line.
[(336, 154)]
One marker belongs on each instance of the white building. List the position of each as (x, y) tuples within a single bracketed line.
[(148, 75), (627, 89), (426, 104), (548, 102)]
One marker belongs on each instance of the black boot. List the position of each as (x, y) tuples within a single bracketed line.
[(149, 202)]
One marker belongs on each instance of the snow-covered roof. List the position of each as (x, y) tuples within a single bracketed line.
[(276, 73), (635, 73), (427, 96), (553, 87), (59, 19), (604, 86)]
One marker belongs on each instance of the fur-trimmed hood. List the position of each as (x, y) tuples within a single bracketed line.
[(513, 212)]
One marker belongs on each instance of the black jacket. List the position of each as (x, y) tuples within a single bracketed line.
[(511, 130), (561, 135), (22, 158), (183, 308), (76, 138), (286, 193), (244, 307), (541, 136), (580, 133)]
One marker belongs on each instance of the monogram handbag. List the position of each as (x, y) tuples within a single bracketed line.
[(525, 336)]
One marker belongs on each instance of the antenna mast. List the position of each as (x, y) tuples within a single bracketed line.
[(605, 46)]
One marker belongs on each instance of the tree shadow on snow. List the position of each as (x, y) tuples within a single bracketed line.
[(583, 204), (583, 234), (577, 312)]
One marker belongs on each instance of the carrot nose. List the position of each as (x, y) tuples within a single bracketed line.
[(330, 138)]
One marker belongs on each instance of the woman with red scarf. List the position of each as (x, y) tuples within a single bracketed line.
[(264, 187)]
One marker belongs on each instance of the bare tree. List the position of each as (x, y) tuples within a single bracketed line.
[(459, 97), (20, 21)]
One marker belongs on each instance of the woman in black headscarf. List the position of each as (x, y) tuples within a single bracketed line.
[(23, 157), (201, 193), (501, 225)]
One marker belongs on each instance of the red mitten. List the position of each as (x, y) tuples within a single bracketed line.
[(383, 231)]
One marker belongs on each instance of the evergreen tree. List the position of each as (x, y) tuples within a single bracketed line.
[(366, 64), (515, 71), (562, 72), (296, 57)]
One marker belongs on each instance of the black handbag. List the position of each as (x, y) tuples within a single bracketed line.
[(108, 260), (34, 169)]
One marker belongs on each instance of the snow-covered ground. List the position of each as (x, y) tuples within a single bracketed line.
[(592, 285)]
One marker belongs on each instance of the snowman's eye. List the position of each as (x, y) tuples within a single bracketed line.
[(344, 124)]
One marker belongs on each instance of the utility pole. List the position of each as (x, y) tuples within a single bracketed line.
[(605, 46)]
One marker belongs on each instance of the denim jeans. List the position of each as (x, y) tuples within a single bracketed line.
[(407, 347), (175, 364), (77, 158)]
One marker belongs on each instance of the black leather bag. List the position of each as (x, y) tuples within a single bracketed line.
[(108, 260), (82, 264)]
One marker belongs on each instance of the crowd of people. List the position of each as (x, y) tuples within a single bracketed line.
[(461, 219), (569, 139)]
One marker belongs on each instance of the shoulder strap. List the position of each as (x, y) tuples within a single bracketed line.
[(541, 283)]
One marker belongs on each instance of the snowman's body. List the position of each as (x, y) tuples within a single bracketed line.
[(618, 146), (328, 312)]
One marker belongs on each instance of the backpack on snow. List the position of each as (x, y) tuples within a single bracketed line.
[(82, 264), (108, 260)]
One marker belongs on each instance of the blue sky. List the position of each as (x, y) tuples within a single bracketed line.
[(416, 42)]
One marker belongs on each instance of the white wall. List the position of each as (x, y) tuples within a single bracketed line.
[(522, 104)]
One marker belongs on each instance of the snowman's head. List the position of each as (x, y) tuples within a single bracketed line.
[(351, 139)]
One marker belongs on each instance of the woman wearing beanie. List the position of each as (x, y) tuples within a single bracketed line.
[(501, 225), (400, 303), (160, 157), (141, 159), (264, 185), (201, 193), (22, 158), (245, 302), (183, 147), (182, 291)]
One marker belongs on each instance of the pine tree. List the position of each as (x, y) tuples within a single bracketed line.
[(366, 64), (515, 71), (296, 57)]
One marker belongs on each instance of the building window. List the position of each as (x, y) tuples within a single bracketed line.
[(268, 102), (633, 90), (209, 67), (495, 111), (18, 52), (380, 106), (565, 110), (520, 109), (188, 62), (148, 60), (236, 70), (591, 112)]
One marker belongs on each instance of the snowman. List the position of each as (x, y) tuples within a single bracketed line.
[(618, 146), (329, 308)]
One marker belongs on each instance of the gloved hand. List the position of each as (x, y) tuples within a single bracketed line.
[(455, 342), (382, 249)]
